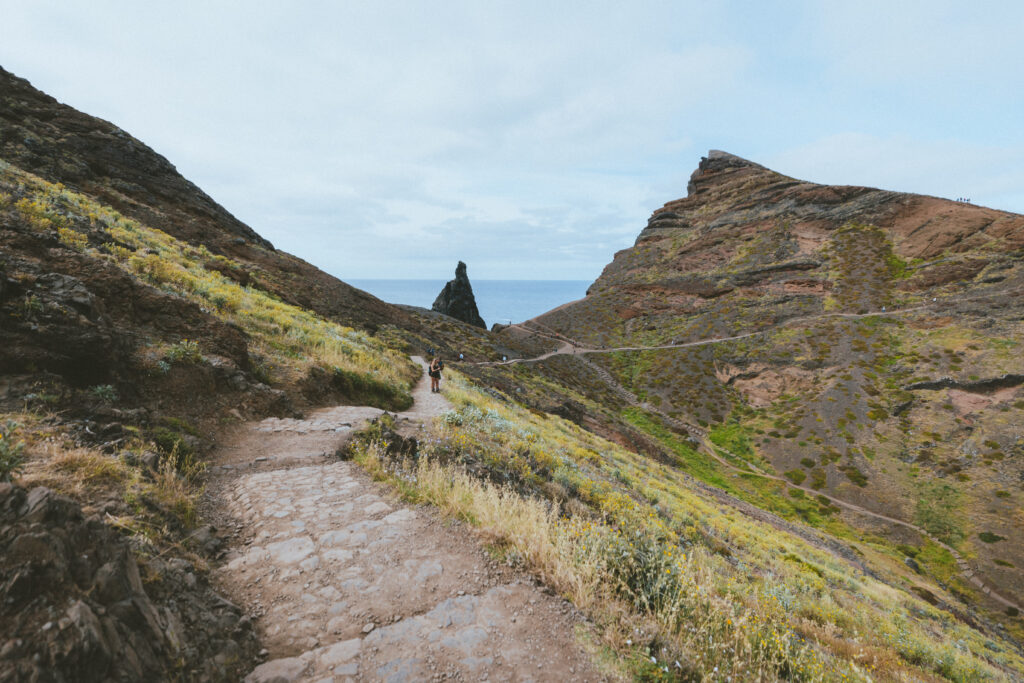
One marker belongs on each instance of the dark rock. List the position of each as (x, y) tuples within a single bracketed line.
[(151, 460), (206, 538), (981, 386), (912, 563), (73, 605), (456, 299)]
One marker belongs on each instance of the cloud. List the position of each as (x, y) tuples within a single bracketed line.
[(386, 139)]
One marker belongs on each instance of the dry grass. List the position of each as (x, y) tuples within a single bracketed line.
[(667, 573), (156, 505), (592, 565)]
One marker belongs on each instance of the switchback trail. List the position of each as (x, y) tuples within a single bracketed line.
[(346, 583), (568, 346)]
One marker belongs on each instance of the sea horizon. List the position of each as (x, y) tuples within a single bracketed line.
[(499, 301)]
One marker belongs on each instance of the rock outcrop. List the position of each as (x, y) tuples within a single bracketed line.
[(75, 606), (456, 299), (809, 316)]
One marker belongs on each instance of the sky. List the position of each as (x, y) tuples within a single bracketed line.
[(531, 140)]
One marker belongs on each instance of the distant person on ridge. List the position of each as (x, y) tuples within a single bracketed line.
[(436, 366)]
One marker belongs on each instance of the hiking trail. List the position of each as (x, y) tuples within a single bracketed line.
[(569, 346), (346, 583)]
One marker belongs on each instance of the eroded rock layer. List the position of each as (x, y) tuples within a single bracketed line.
[(868, 344)]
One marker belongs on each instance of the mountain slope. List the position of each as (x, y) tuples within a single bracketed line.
[(878, 352), (139, 319), (62, 145), (136, 318)]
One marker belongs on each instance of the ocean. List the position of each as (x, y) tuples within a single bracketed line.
[(499, 301)]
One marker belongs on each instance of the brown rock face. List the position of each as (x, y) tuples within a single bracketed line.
[(863, 341), (73, 605), (746, 230), (457, 300)]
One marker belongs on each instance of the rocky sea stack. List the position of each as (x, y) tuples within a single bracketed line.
[(456, 299)]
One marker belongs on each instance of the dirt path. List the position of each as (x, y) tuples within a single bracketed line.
[(569, 346), (345, 583), (712, 450)]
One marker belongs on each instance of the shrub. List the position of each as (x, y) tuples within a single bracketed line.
[(32, 304), (169, 442), (796, 476), (185, 351), (12, 453), (854, 475), (818, 478), (73, 239), (990, 537), (104, 392)]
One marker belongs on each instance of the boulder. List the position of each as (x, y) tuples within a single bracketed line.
[(456, 299)]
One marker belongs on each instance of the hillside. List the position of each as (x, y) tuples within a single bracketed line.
[(138, 318), (145, 334), (870, 351)]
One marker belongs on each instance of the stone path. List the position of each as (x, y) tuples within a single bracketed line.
[(345, 583)]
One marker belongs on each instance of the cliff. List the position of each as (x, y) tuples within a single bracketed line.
[(854, 341), (457, 300)]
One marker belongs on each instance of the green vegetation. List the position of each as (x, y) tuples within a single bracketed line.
[(989, 537), (12, 452), (292, 339), (105, 393), (734, 437), (854, 475), (152, 505), (170, 441), (628, 539), (937, 511), (796, 476), (690, 459), (185, 351)]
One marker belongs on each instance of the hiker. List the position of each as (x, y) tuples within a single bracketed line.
[(436, 366), (461, 357)]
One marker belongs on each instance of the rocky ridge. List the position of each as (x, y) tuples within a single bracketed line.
[(457, 300), (883, 411)]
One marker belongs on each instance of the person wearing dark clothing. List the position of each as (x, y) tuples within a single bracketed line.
[(436, 366)]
